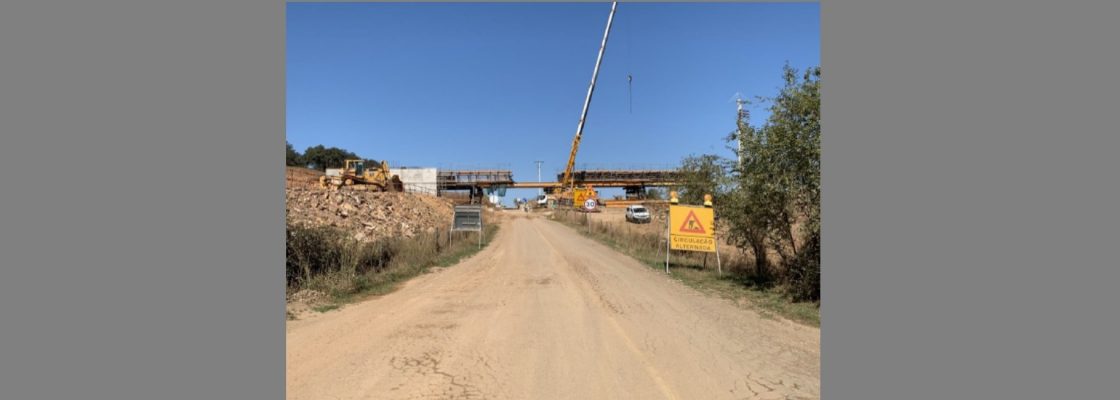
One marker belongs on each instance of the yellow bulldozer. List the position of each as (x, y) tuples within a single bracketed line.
[(356, 174)]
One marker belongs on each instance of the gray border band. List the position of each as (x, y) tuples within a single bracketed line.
[(969, 200)]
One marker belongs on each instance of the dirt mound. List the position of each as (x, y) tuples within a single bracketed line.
[(369, 216), (302, 177)]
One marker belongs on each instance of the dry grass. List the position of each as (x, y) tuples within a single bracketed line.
[(737, 283), (326, 260)]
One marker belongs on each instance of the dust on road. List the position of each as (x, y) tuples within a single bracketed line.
[(544, 313)]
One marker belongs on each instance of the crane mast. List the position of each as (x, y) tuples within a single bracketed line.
[(568, 180)]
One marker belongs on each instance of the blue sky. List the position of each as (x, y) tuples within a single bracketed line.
[(502, 84)]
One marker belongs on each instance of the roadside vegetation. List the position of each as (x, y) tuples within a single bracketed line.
[(697, 270), (767, 200), (767, 205), (330, 261)]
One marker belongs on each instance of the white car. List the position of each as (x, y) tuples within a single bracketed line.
[(638, 214)]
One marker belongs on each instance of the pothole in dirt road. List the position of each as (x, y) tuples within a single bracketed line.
[(539, 281), (437, 326), (426, 331), (444, 310)]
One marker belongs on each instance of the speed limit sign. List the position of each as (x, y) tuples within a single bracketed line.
[(589, 204)]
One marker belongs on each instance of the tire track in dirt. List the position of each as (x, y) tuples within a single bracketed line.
[(544, 313)]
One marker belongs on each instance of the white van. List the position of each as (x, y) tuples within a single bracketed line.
[(637, 213)]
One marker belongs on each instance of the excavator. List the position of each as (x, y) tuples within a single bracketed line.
[(567, 193), (356, 174)]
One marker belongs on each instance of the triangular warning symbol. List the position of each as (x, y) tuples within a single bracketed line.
[(692, 224)]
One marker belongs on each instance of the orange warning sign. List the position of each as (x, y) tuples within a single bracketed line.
[(580, 196), (691, 228), (692, 224)]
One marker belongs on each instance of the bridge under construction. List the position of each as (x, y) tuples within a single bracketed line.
[(633, 182), (485, 179)]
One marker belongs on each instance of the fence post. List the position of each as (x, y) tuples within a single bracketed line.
[(719, 266)]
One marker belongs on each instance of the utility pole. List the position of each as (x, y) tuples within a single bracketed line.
[(741, 115)]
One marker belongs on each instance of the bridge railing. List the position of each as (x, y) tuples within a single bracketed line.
[(638, 176)]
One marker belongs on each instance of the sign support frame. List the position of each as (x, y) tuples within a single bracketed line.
[(669, 236)]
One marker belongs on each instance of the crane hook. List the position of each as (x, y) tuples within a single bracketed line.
[(630, 91)]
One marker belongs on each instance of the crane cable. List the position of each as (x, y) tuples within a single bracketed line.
[(629, 73)]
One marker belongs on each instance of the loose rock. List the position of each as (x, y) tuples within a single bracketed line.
[(369, 216)]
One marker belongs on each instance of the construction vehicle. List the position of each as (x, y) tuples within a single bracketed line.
[(567, 192), (358, 175)]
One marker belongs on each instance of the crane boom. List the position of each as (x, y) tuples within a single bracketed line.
[(568, 181)]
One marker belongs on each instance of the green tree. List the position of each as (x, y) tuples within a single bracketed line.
[(795, 129), (294, 158), (700, 175), (777, 185), (749, 205), (327, 157)]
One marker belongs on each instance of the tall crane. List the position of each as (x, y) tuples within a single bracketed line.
[(568, 182)]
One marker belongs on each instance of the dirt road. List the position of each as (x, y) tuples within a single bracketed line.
[(544, 313)]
